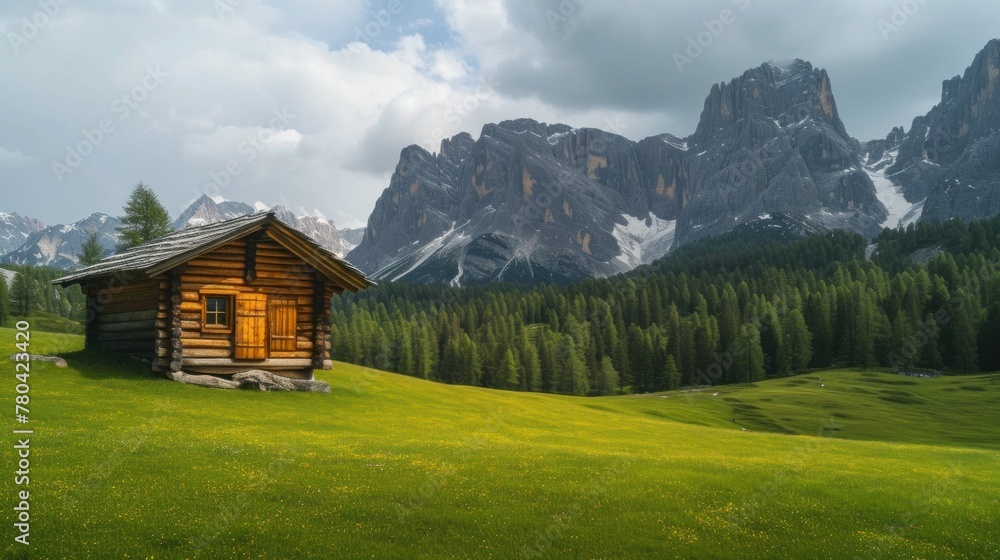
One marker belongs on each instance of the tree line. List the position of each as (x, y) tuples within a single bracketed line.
[(737, 308), (31, 290)]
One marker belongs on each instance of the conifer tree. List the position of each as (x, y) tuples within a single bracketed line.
[(965, 356), (510, 373), (407, 364), (4, 299), (145, 218), (426, 351), (531, 366), (24, 296), (606, 381), (91, 252), (673, 374), (930, 353), (729, 318), (748, 360), (574, 375), (472, 371), (796, 342)]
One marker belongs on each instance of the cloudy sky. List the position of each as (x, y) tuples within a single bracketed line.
[(307, 103)]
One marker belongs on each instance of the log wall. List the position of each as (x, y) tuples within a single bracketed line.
[(124, 316), (277, 273)]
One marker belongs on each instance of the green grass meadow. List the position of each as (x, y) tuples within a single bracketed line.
[(856, 465)]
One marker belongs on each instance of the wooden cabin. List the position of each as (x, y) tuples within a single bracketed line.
[(246, 293)]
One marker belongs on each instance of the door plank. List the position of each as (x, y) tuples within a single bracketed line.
[(251, 327)]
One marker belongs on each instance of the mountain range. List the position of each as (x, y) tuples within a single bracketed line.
[(28, 241), (532, 202)]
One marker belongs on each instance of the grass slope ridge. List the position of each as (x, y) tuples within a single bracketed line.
[(388, 466)]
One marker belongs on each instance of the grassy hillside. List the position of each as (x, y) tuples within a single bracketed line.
[(387, 466), (848, 404), (48, 322)]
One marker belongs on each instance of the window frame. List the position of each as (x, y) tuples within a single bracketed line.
[(230, 313)]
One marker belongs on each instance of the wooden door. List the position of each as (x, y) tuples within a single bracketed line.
[(282, 322), (251, 327)]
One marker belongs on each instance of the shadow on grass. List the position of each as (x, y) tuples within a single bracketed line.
[(95, 363)]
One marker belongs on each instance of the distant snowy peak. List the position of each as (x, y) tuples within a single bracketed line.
[(58, 246), (788, 69), (323, 232), (786, 64), (15, 230), (209, 210)]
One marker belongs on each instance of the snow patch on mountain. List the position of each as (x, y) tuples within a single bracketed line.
[(408, 264), (901, 212), (643, 240), (671, 140)]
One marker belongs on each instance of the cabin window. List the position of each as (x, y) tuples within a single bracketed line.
[(218, 312)]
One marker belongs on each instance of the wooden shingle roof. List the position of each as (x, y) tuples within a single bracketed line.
[(163, 254)]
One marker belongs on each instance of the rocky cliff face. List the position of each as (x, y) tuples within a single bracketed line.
[(352, 237), (772, 141), (527, 202), (420, 205), (534, 202), (951, 156)]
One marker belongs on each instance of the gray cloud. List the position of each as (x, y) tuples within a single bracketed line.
[(620, 55)]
